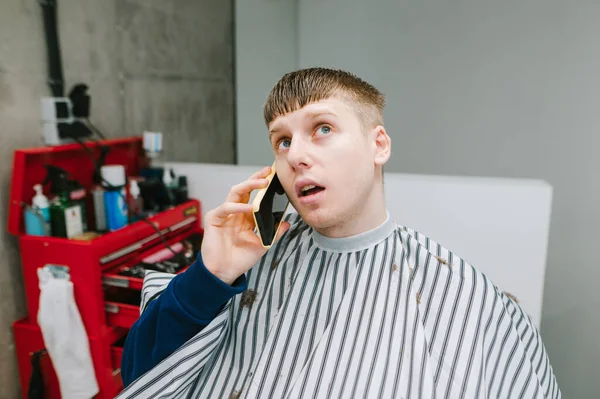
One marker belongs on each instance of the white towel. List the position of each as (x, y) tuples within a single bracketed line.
[(65, 337)]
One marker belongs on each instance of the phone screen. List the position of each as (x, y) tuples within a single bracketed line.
[(271, 211)]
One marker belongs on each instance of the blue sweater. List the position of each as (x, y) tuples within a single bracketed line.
[(188, 304)]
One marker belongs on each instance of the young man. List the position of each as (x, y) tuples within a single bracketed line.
[(346, 304)]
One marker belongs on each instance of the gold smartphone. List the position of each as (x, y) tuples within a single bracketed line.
[(268, 208)]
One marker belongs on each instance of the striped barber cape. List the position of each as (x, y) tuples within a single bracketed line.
[(385, 314)]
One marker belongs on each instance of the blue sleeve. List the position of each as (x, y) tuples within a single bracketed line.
[(188, 304)]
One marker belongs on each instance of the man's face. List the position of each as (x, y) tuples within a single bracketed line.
[(326, 162)]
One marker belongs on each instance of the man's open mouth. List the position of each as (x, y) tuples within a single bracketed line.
[(310, 190)]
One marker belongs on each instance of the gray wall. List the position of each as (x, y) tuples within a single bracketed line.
[(162, 66), (497, 88), (266, 48)]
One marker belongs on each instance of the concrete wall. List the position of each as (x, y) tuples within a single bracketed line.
[(162, 66), (266, 48), (493, 88)]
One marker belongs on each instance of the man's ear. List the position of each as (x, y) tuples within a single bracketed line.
[(383, 145)]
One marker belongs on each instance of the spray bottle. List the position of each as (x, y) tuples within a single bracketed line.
[(37, 216), (136, 202), (66, 215)]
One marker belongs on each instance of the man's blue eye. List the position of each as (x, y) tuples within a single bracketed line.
[(284, 144), (325, 129)]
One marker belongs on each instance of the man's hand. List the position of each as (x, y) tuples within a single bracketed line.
[(229, 246)]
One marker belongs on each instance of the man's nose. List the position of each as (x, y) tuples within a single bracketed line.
[(298, 154)]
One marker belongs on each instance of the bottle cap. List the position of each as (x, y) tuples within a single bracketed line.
[(39, 200), (113, 175), (134, 189)]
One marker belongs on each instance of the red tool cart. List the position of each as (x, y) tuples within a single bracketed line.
[(107, 299)]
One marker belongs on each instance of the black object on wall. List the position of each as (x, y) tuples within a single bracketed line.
[(55, 78), (78, 95)]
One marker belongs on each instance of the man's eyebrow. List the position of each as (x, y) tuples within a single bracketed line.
[(311, 115)]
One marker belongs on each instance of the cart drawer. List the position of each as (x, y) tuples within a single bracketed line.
[(120, 314), (123, 283)]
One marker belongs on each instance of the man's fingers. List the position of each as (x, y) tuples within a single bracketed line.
[(240, 190), (257, 180), (231, 208), (264, 172)]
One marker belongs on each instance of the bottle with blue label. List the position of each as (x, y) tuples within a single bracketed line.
[(37, 216), (115, 205)]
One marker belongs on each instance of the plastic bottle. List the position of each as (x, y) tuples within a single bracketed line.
[(77, 195), (181, 192), (153, 161), (167, 178), (66, 215), (115, 205), (97, 192), (136, 202), (152, 144), (37, 217), (169, 185), (99, 210)]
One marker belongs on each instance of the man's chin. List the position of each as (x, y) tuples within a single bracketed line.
[(315, 218)]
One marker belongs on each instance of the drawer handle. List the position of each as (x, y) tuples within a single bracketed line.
[(138, 245), (111, 308), (115, 282)]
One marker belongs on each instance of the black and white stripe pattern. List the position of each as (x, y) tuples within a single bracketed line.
[(386, 314)]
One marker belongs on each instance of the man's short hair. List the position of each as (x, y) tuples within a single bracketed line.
[(299, 88)]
